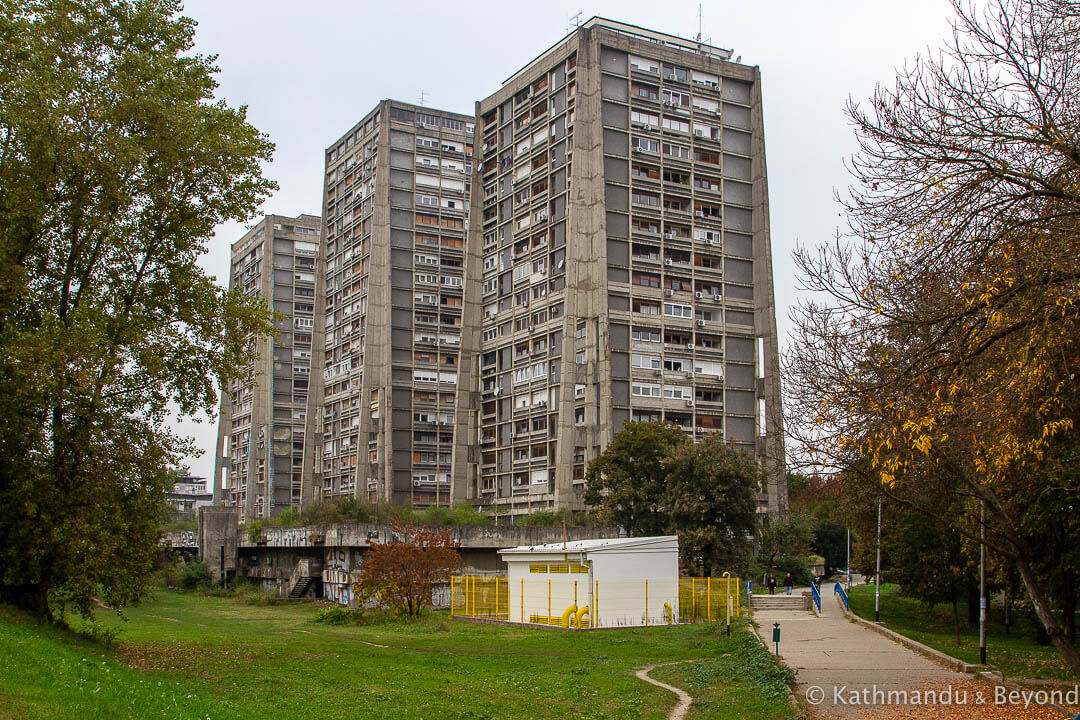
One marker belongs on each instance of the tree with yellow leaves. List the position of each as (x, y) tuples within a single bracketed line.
[(937, 355)]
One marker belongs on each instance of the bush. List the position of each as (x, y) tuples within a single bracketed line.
[(254, 530), (339, 615), (553, 518), (288, 517), (194, 575)]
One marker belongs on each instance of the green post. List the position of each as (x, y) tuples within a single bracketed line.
[(776, 637)]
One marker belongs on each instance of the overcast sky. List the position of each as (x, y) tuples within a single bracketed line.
[(308, 71)]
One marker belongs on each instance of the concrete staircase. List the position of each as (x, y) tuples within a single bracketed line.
[(780, 601), (301, 587)]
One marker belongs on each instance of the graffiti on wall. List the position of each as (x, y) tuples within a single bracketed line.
[(183, 538), (286, 537), (338, 574)]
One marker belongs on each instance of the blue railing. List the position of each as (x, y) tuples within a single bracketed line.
[(817, 596), (839, 590)]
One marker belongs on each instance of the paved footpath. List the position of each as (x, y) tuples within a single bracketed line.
[(832, 652)]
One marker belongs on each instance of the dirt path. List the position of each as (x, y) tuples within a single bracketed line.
[(680, 710)]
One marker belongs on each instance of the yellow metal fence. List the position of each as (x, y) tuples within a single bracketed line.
[(542, 601)]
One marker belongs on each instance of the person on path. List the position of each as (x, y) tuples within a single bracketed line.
[(772, 584), (788, 583)]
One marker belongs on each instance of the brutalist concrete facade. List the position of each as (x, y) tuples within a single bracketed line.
[(485, 331), (265, 443), (395, 203), (619, 265)]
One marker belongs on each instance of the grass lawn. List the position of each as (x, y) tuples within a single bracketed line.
[(1015, 654), (188, 656)]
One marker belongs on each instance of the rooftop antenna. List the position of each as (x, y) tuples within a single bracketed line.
[(422, 98), (574, 23), (700, 31)]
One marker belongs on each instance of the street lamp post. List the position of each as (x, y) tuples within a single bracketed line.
[(982, 583), (849, 559), (877, 572)]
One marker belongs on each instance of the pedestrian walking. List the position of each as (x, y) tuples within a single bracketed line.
[(788, 583), (772, 584)]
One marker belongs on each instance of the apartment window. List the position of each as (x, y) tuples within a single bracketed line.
[(677, 151), (648, 362), (677, 125), (645, 335), (429, 200), (671, 72), (640, 197), (397, 114), (646, 92), (647, 280), (642, 118), (678, 311), (644, 64), (646, 145), (647, 390), (426, 142)]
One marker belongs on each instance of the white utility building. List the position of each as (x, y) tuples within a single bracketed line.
[(595, 583)]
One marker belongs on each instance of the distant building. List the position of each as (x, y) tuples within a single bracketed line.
[(263, 434), (189, 493)]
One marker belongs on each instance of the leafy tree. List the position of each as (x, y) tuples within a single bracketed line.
[(937, 358), (116, 164), (403, 572), (780, 542), (712, 492), (628, 481)]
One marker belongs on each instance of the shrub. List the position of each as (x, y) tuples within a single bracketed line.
[(254, 530), (288, 517), (339, 615), (194, 575)]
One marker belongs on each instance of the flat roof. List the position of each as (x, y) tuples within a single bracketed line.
[(593, 545), (634, 31)]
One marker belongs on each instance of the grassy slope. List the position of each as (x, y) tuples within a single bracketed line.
[(195, 657), (1015, 654)]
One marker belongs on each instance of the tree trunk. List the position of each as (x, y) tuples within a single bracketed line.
[(956, 618), (1068, 605), (1046, 616)]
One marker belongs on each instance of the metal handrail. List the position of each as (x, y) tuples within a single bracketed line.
[(839, 590), (817, 595)]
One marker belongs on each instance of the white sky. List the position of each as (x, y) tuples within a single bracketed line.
[(308, 71)]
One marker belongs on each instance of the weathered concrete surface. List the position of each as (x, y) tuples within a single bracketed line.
[(361, 535), (835, 655), (217, 539)]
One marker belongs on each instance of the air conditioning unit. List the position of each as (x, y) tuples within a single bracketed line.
[(701, 323), (667, 262), (636, 150), (698, 295), (541, 403), (689, 346), (714, 242), (717, 299), (689, 403), (689, 373), (668, 293)]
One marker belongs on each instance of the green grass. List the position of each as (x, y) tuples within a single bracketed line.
[(188, 656), (1015, 654)]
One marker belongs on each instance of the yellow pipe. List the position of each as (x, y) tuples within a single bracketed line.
[(646, 603), (521, 619), (566, 615), (582, 612), (670, 613), (451, 597)]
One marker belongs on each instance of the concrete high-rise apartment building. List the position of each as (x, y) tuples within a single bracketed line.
[(265, 443), (396, 203), (619, 265), (481, 333)]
